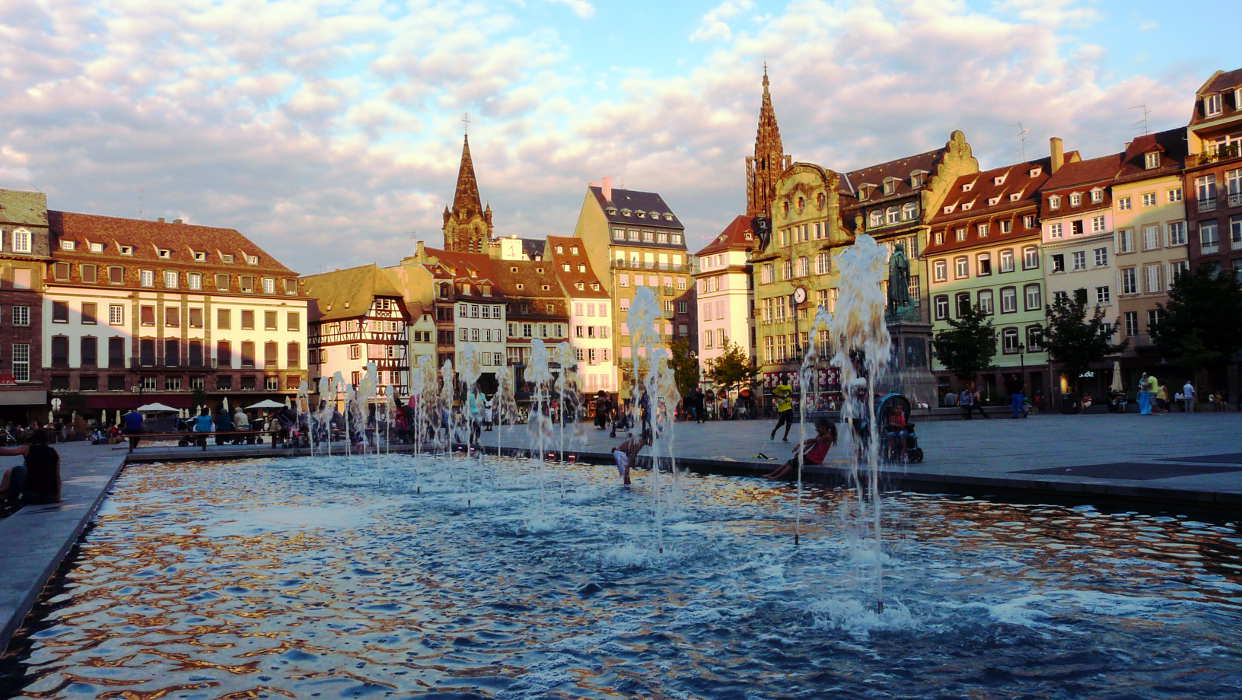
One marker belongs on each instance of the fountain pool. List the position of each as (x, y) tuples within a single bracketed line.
[(393, 576)]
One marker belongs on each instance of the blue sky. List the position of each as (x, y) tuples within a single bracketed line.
[(330, 132)]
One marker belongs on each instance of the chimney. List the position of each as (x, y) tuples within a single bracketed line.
[(160, 220), (1057, 151), (607, 189), (178, 221)]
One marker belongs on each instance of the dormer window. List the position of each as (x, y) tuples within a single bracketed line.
[(513, 268), (582, 269), (1076, 199), (916, 178), (948, 209), (960, 234), (163, 253), (95, 247), (890, 185), (863, 191), (564, 267), (595, 286), (968, 187), (625, 212), (560, 250), (1015, 196), (966, 206), (611, 211), (226, 258), (252, 260), (68, 245), (640, 214), (939, 237), (573, 250), (993, 201), (520, 286), (579, 286), (1097, 195), (544, 287), (1211, 105), (200, 256), (125, 249), (1054, 202), (1035, 172), (487, 289), (1151, 160), (539, 270), (999, 179)]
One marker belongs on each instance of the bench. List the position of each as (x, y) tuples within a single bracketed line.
[(194, 437)]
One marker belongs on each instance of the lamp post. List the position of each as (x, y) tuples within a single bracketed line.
[(1022, 364)]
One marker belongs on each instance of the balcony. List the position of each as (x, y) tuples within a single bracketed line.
[(1207, 204), (1235, 199), (1227, 152)]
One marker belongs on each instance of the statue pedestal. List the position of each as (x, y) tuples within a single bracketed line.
[(909, 370)]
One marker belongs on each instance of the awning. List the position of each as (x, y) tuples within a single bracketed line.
[(23, 397)]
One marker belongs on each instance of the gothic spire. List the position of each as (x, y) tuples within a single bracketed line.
[(466, 199), (763, 169)]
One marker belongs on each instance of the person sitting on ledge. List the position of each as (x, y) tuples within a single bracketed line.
[(814, 450), (40, 482)]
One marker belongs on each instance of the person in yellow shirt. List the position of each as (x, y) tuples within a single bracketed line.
[(784, 409)]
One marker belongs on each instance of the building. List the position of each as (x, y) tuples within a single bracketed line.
[(765, 167), (535, 307), (357, 317), (725, 292), (590, 313), (24, 252), (467, 225), (142, 311), (1149, 218), (635, 240), (984, 254), (1213, 173)]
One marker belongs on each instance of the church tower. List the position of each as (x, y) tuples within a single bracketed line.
[(467, 226), (769, 161)]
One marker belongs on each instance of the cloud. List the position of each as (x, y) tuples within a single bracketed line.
[(714, 25), (582, 8), (331, 133)]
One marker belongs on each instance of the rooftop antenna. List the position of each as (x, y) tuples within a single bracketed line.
[(1022, 132), (465, 123), (1146, 112)]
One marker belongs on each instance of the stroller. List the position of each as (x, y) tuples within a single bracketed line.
[(898, 443)]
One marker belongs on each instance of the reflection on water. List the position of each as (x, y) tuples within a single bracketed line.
[(390, 577)]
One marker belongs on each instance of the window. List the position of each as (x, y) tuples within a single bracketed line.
[(146, 352), (1125, 241), (270, 351), (1211, 105), (21, 362), (224, 318), (21, 278), (116, 274), (21, 244), (765, 274), (984, 300), (961, 267), (247, 283), (222, 280), (1097, 195), (1009, 341), (1006, 226), (1009, 299), (940, 270), (1149, 199), (1076, 199), (21, 315), (1123, 203), (892, 215), (172, 316), (60, 351), (942, 307), (196, 317), (194, 280), (1209, 238), (90, 272), (1056, 230), (959, 234), (1103, 296), (1205, 192), (1178, 267), (1097, 224), (1151, 278), (983, 264), (909, 210), (1175, 194), (172, 353), (116, 352), (1054, 202), (293, 321), (247, 320), (90, 313), (1030, 258), (170, 279), (1034, 339), (823, 264), (247, 354), (269, 320), (1006, 260), (1101, 257), (269, 285), (1151, 160), (224, 354), (804, 266), (1129, 281), (1076, 227), (1129, 321), (196, 353), (1079, 258), (1029, 221), (146, 278), (963, 303), (1034, 298), (982, 230), (60, 312), (1058, 262)]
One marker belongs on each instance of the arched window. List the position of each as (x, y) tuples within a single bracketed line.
[(893, 214), (876, 219), (909, 210)]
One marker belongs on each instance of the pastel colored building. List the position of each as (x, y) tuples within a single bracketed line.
[(724, 288)]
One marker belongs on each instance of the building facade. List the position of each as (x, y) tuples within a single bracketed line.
[(24, 251), (764, 168), (590, 313), (725, 292), (140, 311), (1213, 174)]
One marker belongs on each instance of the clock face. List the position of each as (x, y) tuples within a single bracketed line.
[(799, 295)]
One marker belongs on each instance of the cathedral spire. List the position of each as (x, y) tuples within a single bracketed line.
[(763, 169), (467, 227), (466, 199)]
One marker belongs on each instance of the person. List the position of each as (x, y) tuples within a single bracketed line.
[(241, 422), (625, 454), (1017, 404), (814, 450), (1162, 398), (977, 400), (133, 427), (203, 424), (784, 409), (967, 401), (224, 424), (1144, 397), (39, 477), (488, 418), (950, 399)]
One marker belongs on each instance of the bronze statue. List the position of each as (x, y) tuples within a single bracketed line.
[(898, 279)]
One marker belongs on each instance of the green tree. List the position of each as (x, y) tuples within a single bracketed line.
[(1073, 340), (968, 346), (685, 366), (1201, 326), (733, 369)]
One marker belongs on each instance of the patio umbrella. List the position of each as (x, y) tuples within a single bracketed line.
[(1116, 386), (156, 408), (266, 403), (226, 403)]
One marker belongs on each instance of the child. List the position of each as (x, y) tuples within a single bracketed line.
[(814, 450), (625, 454)]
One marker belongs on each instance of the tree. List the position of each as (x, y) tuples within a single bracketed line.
[(685, 366), (1075, 341), (968, 346), (733, 369), (1201, 326)]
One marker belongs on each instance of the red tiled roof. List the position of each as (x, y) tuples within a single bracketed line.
[(1171, 145), (570, 279), (148, 237), (635, 201), (1085, 172), (900, 168), (983, 188), (1222, 81), (736, 236)]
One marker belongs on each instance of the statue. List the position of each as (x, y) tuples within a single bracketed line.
[(898, 280)]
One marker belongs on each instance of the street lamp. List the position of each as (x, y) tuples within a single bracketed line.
[(1022, 363)]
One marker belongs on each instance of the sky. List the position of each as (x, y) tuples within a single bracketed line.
[(330, 132)]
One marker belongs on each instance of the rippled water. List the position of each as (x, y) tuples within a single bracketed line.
[(366, 577)]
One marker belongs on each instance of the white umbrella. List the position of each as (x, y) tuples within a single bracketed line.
[(1116, 386), (156, 408), (226, 403), (266, 403)]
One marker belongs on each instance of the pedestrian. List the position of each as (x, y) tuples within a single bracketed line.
[(625, 454), (488, 418), (132, 421), (784, 409), (814, 450), (203, 424), (978, 402), (39, 479), (241, 422), (1144, 396), (1017, 404), (966, 399), (1161, 394)]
